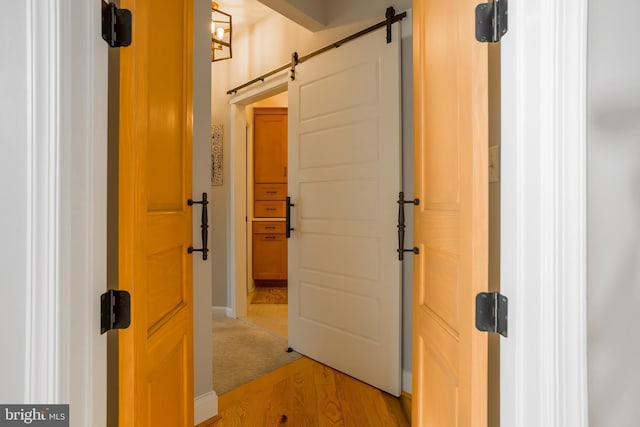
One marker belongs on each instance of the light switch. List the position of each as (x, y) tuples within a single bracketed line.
[(494, 163)]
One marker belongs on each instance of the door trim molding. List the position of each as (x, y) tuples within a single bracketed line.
[(543, 243), (67, 111), (43, 287)]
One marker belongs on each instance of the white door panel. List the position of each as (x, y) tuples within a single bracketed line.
[(344, 179)]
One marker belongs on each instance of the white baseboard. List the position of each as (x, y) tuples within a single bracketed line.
[(222, 312), (205, 407), (231, 313), (407, 381)]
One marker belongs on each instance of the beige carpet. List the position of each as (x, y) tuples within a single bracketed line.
[(242, 353), (269, 296)]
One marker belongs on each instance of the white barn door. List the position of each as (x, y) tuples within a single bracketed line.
[(344, 179)]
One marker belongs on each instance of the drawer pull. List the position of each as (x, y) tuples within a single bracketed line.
[(271, 192), (270, 237), (271, 227)]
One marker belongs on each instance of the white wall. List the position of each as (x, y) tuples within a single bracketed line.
[(614, 213), (271, 41), (202, 270), (13, 188), (220, 194), (268, 45)]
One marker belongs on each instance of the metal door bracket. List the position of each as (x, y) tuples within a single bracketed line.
[(491, 21), (492, 312), (115, 310), (116, 25)]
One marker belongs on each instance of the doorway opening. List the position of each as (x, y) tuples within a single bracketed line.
[(267, 141), (255, 325), (272, 94)]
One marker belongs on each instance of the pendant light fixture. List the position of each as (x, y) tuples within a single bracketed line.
[(221, 31)]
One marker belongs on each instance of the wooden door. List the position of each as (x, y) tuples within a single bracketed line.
[(451, 222), (270, 145), (156, 351), (344, 160)]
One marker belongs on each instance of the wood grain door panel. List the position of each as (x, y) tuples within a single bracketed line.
[(451, 222), (154, 220)]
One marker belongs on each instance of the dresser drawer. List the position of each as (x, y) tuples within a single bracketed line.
[(269, 257), (268, 209), (270, 191), (266, 227)]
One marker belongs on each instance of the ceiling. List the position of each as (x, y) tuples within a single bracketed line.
[(244, 12), (311, 14)]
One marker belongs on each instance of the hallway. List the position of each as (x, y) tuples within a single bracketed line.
[(307, 393), (271, 313)]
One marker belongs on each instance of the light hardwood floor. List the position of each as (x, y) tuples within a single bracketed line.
[(272, 317), (307, 393)]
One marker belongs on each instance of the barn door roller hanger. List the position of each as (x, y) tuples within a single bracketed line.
[(391, 17)]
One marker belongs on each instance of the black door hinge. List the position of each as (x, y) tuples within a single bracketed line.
[(116, 25), (491, 312), (491, 21), (115, 310)]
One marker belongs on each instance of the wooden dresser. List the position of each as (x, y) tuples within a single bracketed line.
[(270, 190)]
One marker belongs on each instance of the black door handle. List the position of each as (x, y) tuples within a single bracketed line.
[(204, 226), (288, 228), (402, 226)]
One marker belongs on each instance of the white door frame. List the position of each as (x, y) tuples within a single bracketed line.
[(237, 244), (543, 374), (66, 207), (543, 230), (66, 210)]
